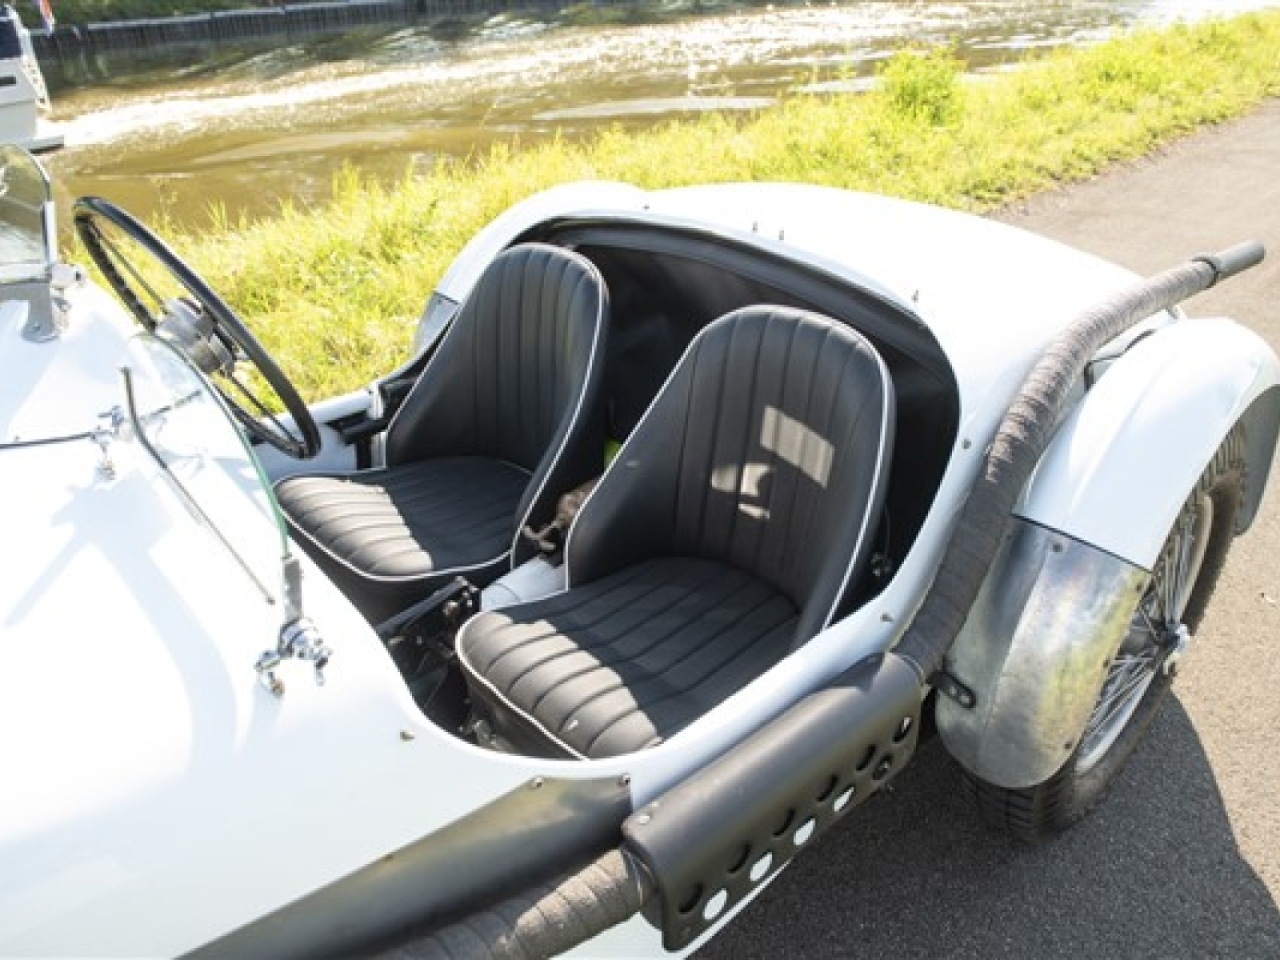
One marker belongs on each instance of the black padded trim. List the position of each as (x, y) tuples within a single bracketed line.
[(501, 423), (389, 537), (516, 378), (767, 448), (407, 522), (625, 662), (722, 538)]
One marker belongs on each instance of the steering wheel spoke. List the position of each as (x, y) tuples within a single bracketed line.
[(201, 324)]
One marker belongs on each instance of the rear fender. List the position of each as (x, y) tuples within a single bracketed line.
[(1122, 462), (1058, 599), (1034, 652)]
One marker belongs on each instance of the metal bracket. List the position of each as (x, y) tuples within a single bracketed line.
[(951, 687), (299, 640)]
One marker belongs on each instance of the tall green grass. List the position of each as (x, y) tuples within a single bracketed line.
[(335, 292)]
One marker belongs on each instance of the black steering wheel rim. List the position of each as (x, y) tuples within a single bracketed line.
[(301, 442)]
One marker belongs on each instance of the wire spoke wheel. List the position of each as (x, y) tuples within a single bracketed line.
[(1142, 669), (1157, 635)]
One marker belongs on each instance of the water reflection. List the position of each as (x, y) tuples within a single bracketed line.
[(249, 129)]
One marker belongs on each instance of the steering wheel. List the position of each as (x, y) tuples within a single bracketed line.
[(201, 324)]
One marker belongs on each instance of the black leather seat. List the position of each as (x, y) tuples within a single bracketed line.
[(722, 538), (502, 421)]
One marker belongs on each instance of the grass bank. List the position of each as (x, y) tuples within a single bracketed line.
[(335, 292)]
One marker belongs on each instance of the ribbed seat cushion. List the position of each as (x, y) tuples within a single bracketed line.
[(418, 520), (502, 421), (624, 662)]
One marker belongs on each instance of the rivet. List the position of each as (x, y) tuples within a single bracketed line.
[(966, 444), (536, 783), (624, 780), (886, 618), (643, 819), (407, 735)]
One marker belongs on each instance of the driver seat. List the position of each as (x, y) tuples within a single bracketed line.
[(501, 422), (726, 533)]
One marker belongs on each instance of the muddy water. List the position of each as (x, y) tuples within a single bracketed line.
[(255, 128)]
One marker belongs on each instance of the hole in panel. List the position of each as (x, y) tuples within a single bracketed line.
[(715, 906), (688, 904), (802, 835), (828, 788), (868, 755), (785, 825), (761, 867)]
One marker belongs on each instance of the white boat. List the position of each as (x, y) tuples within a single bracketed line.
[(23, 95)]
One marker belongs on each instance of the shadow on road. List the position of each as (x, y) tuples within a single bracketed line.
[(1154, 873)]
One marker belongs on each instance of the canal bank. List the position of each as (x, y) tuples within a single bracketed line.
[(248, 130), (336, 289)]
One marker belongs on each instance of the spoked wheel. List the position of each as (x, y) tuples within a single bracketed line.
[(1170, 609), (198, 322)]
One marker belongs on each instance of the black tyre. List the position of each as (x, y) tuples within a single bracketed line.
[(1141, 674)]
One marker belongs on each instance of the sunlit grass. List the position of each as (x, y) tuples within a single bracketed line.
[(335, 292)]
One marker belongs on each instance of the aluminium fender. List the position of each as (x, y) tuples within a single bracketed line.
[(1034, 651), (1057, 600), (1119, 467)]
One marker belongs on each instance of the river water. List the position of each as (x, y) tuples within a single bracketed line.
[(251, 129)]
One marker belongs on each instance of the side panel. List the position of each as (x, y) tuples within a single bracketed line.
[(1121, 464), (1034, 651)]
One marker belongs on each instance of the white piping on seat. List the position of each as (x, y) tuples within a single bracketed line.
[(582, 394)]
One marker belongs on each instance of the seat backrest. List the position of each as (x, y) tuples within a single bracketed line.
[(516, 376), (767, 448)]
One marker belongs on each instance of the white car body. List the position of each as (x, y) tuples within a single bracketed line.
[(158, 797)]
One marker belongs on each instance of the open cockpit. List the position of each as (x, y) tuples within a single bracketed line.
[(745, 482)]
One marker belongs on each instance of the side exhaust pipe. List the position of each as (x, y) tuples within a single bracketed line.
[(708, 843)]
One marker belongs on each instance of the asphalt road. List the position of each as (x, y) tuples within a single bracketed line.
[(1183, 861)]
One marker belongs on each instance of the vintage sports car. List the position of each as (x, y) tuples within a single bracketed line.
[(691, 513)]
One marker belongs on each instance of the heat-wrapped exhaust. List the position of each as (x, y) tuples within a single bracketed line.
[(1023, 436), (544, 920)]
